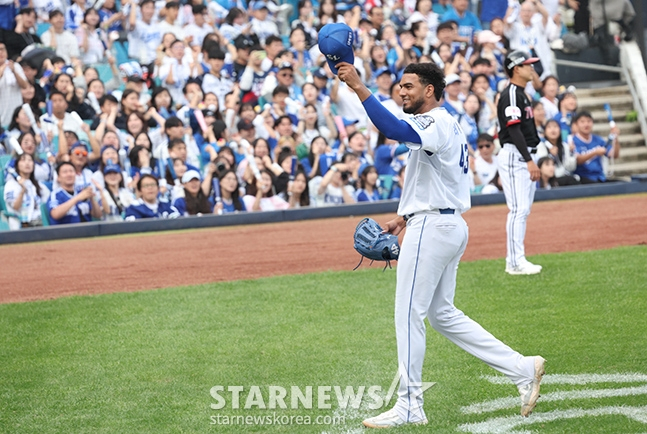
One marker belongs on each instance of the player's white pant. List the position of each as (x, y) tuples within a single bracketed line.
[(519, 193), (429, 257)]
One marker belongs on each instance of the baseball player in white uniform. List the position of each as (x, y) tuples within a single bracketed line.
[(435, 194)]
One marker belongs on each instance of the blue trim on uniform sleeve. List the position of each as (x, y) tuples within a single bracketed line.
[(385, 121)]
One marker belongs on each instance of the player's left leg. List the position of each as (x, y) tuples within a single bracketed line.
[(468, 334)]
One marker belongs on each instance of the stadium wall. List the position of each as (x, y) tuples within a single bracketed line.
[(99, 229)]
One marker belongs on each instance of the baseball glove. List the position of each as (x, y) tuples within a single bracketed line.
[(371, 243)]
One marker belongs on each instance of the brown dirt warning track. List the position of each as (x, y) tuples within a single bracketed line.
[(131, 263)]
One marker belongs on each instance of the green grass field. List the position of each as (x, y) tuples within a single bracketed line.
[(146, 362)]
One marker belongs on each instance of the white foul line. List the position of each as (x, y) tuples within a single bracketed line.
[(501, 425), (578, 378), (501, 403)]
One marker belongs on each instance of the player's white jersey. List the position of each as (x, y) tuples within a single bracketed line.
[(437, 174)]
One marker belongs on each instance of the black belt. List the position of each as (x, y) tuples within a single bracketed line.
[(532, 150), (441, 211)]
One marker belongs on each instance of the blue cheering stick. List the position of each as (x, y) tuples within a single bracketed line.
[(612, 125), (215, 183), (293, 169)]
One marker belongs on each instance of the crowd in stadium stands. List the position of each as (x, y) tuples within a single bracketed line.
[(238, 92)]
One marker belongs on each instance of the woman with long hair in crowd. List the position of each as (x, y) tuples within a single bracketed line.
[(23, 194), (328, 12), (469, 120), (64, 84), (549, 90), (309, 127), (162, 101), (93, 41), (298, 190), (195, 201), (367, 191), (19, 123), (42, 168), (230, 194), (553, 146), (264, 197), (312, 163), (547, 173)]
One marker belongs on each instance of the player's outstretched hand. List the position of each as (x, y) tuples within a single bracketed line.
[(348, 74), (534, 171)]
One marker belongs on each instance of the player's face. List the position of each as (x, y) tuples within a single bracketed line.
[(412, 93), (525, 72)]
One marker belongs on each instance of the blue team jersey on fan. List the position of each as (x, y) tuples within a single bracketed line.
[(592, 169), (142, 211), (77, 214)]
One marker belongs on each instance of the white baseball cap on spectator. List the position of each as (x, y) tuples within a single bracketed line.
[(452, 78), (190, 175)]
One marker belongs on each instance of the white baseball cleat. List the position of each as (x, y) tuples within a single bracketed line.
[(524, 268), (389, 419), (530, 392)]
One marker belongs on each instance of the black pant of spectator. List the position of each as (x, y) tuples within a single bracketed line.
[(567, 180), (582, 18)]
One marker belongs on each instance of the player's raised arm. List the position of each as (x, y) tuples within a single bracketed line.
[(384, 120)]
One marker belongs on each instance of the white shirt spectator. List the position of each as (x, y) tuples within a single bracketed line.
[(10, 96), (165, 28), (219, 86), (198, 33), (181, 72), (264, 28), (31, 201), (143, 41), (350, 107), (96, 48), (67, 46), (485, 170), (534, 36)]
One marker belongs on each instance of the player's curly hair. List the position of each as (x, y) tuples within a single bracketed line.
[(428, 73)]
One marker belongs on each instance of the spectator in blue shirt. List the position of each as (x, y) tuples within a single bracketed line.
[(590, 148), (66, 206), (468, 23), (367, 191), (149, 206)]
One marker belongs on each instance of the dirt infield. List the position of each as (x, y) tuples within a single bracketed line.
[(131, 263)]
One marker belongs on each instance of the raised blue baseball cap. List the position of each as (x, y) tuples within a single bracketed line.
[(336, 43)]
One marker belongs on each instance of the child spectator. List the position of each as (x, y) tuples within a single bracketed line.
[(590, 148), (149, 206), (547, 173), (23, 194), (69, 205)]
